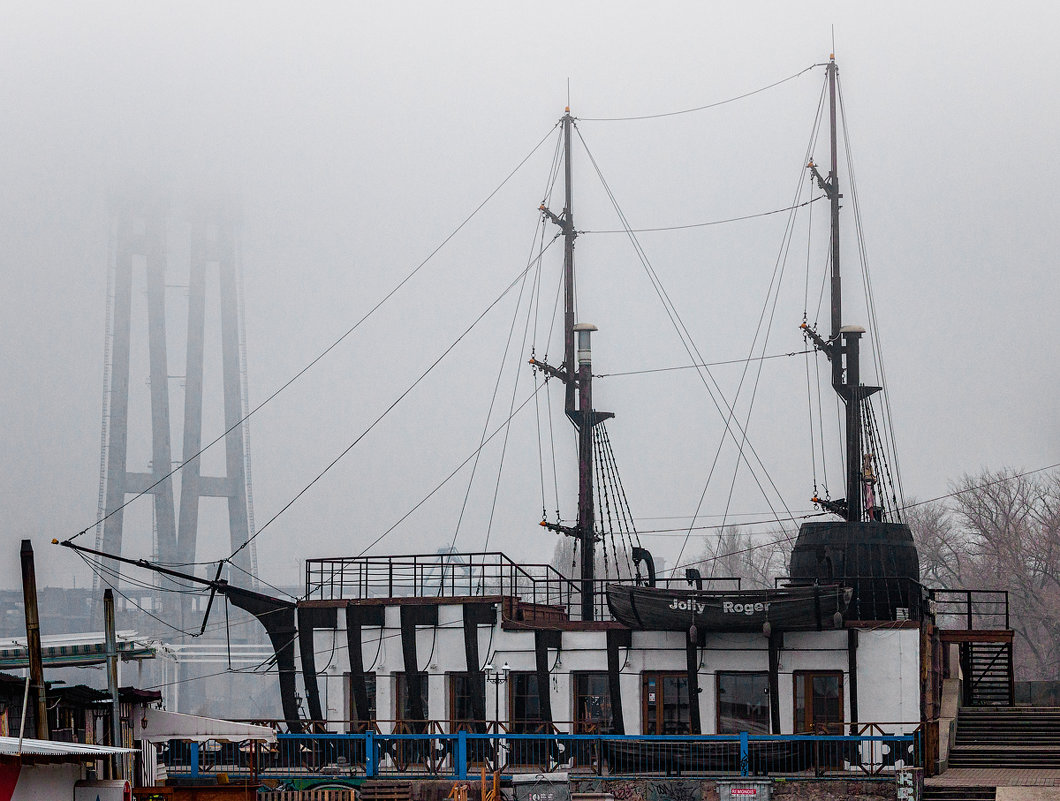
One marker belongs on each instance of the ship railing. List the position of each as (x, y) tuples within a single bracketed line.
[(871, 752), (489, 574), (971, 610), (435, 575)]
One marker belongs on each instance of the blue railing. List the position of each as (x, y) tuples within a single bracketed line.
[(464, 754)]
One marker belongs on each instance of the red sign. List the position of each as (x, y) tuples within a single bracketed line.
[(744, 791)]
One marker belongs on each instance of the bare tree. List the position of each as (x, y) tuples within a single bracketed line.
[(999, 531), (756, 558)]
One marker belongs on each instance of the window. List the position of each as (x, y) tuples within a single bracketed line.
[(592, 704), (463, 689), (365, 715), (524, 704), (818, 701), (743, 703), (665, 703), (403, 703)]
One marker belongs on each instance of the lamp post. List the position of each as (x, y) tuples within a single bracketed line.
[(497, 677)]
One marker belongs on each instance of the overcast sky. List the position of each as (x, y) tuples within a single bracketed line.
[(356, 137)]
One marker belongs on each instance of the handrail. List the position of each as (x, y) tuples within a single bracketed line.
[(483, 574), (460, 754), (989, 606)]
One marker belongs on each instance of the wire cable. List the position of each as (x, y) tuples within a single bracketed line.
[(702, 108), (445, 480), (323, 353), (705, 224), (699, 366), (389, 408)]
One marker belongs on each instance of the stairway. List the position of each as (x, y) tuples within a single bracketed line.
[(937, 793), (987, 668), (1006, 737)]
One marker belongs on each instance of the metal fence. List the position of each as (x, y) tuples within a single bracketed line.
[(971, 610), (462, 755), (468, 575)]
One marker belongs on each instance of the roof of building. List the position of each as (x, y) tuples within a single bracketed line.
[(75, 650), (53, 751)]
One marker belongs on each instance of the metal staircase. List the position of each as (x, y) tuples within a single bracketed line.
[(988, 676)]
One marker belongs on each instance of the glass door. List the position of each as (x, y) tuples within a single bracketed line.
[(818, 702), (665, 703)]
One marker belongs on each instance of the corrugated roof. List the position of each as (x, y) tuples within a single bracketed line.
[(53, 748), (70, 650)]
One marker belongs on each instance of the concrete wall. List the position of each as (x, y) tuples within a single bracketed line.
[(889, 675)]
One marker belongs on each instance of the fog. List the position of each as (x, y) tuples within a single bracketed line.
[(354, 138)]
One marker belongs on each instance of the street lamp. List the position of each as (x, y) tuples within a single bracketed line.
[(497, 677)]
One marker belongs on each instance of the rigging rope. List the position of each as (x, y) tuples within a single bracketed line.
[(705, 224), (326, 351), (511, 405), (702, 108), (625, 514), (877, 344), (536, 244), (776, 280), (445, 480), (682, 330), (393, 404), (698, 366)]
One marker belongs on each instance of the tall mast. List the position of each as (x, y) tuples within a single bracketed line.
[(833, 197), (843, 346), (577, 377), (569, 235)]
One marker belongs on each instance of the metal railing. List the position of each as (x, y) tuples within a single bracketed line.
[(971, 610), (465, 575), (463, 754)]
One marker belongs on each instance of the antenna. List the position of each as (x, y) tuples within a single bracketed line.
[(568, 91)]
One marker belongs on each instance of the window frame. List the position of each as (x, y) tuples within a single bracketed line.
[(401, 689), (371, 686), (451, 679), (717, 697), (835, 727), (606, 726), (524, 725), (659, 703)]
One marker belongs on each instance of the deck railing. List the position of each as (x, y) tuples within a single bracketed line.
[(464, 575), (463, 754), (971, 610)]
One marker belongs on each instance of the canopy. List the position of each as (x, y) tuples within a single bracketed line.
[(157, 725), (55, 751)]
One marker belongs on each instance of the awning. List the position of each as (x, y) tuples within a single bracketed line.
[(55, 751), (157, 725)]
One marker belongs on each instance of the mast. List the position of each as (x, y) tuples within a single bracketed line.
[(577, 377), (833, 198), (843, 347), (569, 235)]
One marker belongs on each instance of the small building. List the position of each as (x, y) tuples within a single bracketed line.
[(31, 770)]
